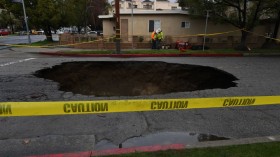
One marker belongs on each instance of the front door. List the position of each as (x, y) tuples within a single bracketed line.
[(124, 29)]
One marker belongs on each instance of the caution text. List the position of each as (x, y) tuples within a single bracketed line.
[(239, 102), (165, 105), (5, 109), (85, 107)]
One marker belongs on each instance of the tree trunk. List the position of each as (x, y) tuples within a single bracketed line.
[(243, 44), (276, 28), (48, 33)]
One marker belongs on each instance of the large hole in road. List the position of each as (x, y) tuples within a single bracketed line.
[(135, 78)]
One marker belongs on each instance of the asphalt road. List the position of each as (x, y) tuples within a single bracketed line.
[(23, 39), (258, 76)]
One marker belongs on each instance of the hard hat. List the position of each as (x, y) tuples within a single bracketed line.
[(159, 30)]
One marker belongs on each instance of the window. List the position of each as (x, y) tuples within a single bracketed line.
[(147, 6), (154, 25), (185, 24), (130, 5)]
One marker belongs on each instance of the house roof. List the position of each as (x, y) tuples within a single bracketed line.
[(146, 12), (106, 16)]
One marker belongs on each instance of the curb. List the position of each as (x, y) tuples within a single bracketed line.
[(119, 151), (261, 54), (142, 55), (154, 148), (4, 47)]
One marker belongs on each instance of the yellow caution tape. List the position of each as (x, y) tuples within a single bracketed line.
[(104, 39), (54, 46), (210, 34), (8, 109), (262, 35)]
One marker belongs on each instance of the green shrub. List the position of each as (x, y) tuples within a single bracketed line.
[(141, 38)]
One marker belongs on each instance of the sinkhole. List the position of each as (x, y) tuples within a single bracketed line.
[(134, 78)]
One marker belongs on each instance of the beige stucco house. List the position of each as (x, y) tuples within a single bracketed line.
[(146, 16)]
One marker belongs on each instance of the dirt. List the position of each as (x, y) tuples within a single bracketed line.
[(135, 78)]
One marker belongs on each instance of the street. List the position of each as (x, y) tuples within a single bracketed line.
[(23, 39), (257, 76)]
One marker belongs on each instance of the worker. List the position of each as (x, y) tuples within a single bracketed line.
[(159, 38), (153, 38)]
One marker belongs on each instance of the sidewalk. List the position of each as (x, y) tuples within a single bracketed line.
[(154, 148), (61, 52)]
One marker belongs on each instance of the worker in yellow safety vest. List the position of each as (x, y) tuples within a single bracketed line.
[(159, 38)]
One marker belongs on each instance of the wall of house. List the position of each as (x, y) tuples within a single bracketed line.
[(165, 5), (171, 26), (158, 5), (108, 27)]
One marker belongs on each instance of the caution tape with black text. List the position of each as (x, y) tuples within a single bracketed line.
[(110, 106)]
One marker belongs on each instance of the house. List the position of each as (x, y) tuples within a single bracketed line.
[(146, 4), (146, 16), (143, 18)]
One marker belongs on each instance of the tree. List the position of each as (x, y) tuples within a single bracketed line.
[(8, 17), (76, 13), (5, 19), (243, 14), (8, 20), (95, 8), (183, 3), (52, 14), (45, 15), (273, 12)]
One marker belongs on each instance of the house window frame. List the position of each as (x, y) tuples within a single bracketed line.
[(187, 24), (150, 31)]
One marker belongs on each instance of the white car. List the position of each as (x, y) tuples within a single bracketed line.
[(98, 33), (92, 33), (59, 32)]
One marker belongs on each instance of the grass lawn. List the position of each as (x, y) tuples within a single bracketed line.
[(149, 51), (173, 51), (44, 43), (253, 150), (162, 51)]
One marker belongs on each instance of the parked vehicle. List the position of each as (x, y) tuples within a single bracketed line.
[(92, 33), (22, 33), (59, 31), (37, 32), (98, 33), (4, 32)]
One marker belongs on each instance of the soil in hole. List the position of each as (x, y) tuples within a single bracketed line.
[(135, 78)]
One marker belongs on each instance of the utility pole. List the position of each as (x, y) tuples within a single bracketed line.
[(132, 6), (118, 31), (26, 23), (205, 30)]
